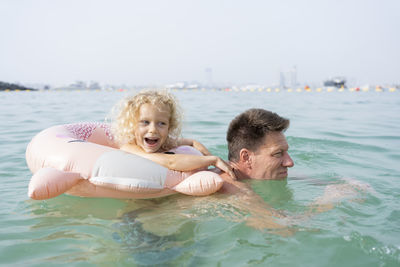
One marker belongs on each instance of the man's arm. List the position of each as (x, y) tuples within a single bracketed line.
[(241, 205), (334, 194), (263, 216), (260, 214)]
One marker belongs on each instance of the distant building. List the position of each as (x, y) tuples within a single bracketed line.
[(177, 85), (94, 86), (288, 78), (78, 85), (81, 85), (209, 76)]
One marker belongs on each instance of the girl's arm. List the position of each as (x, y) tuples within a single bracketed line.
[(199, 146), (181, 162)]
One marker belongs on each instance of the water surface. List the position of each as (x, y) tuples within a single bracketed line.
[(332, 136)]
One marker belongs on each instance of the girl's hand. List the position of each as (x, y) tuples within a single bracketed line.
[(225, 167)]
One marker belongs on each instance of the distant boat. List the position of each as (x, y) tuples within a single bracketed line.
[(338, 82)]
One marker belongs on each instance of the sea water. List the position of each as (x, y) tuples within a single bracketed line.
[(332, 136)]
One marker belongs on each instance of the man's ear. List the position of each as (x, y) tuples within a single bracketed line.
[(246, 157)]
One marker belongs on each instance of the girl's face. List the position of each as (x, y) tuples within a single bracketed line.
[(152, 127)]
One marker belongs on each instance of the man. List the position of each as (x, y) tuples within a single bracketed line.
[(257, 146), (257, 150)]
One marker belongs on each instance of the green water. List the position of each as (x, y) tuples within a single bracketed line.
[(332, 136)]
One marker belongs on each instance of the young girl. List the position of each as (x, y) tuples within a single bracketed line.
[(149, 124)]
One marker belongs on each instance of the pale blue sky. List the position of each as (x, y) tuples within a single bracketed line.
[(157, 42)]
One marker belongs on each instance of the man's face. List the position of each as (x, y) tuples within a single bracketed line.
[(271, 160)]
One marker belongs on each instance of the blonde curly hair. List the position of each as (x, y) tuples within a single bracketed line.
[(126, 113)]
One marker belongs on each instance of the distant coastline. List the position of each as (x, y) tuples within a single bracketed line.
[(14, 87)]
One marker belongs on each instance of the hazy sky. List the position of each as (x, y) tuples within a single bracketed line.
[(164, 41)]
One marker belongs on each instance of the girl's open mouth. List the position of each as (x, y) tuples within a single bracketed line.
[(151, 141)]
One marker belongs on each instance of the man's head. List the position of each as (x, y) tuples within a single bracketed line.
[(257, 144)]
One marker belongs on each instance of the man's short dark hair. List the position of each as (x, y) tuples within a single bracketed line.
[(248, 129)]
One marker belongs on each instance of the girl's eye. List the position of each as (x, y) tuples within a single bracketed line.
[(162, 123), (144, 122)]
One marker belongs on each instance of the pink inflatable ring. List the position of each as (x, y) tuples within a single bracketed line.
[(83, 160)]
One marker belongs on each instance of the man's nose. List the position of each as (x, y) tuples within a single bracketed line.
[(287, 161)]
